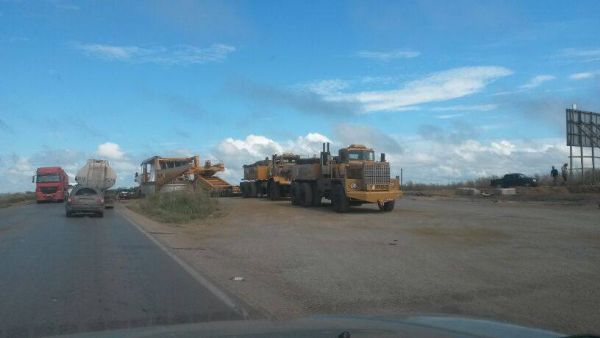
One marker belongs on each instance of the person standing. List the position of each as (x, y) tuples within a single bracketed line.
[(564, 173), (554, 174)]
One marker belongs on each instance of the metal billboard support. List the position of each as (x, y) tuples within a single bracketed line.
[(583, 131)]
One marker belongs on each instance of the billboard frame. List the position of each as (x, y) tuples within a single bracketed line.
[(583, 131)]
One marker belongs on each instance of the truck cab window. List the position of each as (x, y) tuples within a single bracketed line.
[(85, 192), (361, 155), (48, 178)]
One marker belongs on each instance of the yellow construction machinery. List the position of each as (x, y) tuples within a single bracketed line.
[(351, 178), (280, 178), (256, 177), (270, 178), (163, 174)]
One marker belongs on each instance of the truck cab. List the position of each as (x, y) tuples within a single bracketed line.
[(355, 153), (51, 184)]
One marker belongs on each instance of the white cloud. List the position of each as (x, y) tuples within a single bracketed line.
[(584, 75), (448, 116), (18, 169), (476, 107), (424, 159), (109, 150), (237, 152), (386, 56), (536, 81), (432, 161), (175, 55), (441, 86), (580, 54)]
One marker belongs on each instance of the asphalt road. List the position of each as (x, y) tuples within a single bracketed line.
[(65, 275)]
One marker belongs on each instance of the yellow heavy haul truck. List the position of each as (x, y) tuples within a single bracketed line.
[(270, 178), (280, 176), (256, 177), (351, 178)]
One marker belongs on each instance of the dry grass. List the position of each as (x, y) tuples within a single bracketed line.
[(177, 207), (7, 200)]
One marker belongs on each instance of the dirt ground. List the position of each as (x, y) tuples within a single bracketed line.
[(531, 263)]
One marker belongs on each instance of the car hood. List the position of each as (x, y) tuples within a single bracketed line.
[(333, 326)]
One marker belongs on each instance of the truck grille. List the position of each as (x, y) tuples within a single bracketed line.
[(48, 190), (376, 174)]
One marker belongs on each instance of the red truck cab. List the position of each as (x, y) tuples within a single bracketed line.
[(51, 184)]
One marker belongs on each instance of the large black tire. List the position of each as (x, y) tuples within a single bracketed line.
[(387, 206), (339, 201), (274, 190), (306, 195), (316, 196), (295, 193)]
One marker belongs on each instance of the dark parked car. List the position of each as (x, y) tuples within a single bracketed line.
[(514, 180), (85, 201)]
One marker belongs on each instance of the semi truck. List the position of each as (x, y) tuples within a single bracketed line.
[(98, 174), (351, 178), (51, 184)]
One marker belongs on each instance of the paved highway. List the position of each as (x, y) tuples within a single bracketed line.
[(65, 275)]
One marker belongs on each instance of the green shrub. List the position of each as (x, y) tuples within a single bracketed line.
[(178, 206)]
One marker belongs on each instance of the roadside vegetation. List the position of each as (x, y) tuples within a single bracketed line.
[(178, 206), (7, 200), (574, 189)]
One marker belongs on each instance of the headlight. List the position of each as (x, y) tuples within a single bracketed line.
[(354, 186)]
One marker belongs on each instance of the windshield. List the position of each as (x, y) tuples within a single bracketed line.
[(269, 159), (85, 192), (361, 155), (45, 178)]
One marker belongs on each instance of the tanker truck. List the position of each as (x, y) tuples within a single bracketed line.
[(99, 175)]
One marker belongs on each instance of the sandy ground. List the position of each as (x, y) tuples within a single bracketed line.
[(530, 263)]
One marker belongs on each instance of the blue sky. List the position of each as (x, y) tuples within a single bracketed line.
[(450, 90)]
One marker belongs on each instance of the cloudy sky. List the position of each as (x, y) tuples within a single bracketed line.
[(449, 90)]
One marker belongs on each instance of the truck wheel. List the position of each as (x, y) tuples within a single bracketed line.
[(274, 191), (295, 193), (387, 206), (245, 188), (306, 195), (339, 201), (316, 196), (253, 189)]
